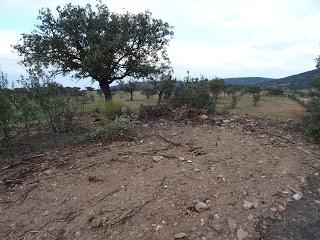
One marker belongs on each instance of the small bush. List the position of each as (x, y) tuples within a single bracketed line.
[(312, 120), (255, 98), (195, 95), (112, 109), (234, 101), (7, 114), (152, 112), (120, 128)]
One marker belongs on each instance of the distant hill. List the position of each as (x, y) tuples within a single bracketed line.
[(248, 81), (298, 81)]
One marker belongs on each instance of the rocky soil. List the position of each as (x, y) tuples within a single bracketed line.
[(217, 179)]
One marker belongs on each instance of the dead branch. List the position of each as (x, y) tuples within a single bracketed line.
[(35, 156), (168, 141)]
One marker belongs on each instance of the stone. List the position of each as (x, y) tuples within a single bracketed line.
[(297, 196), (145, 125), (273, 209), (242, 234), (217, 228), (46, 212), (232, 224), (316, 166), (180, 235), (250, 217), (181, 159), (204, 117), (157, 158), (201, 206), (255, 205), (247, 205)]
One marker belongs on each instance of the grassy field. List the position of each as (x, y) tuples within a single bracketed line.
[(138, 100), (277, 108)]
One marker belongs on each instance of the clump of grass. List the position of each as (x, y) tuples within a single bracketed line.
[(121, 127), (113, 109)]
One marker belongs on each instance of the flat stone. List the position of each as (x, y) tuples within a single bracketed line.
[(218, 228), (157, 158), (180, 235), (247, 205), (201, 206)]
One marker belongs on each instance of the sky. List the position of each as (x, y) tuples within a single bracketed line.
[(224, 38)]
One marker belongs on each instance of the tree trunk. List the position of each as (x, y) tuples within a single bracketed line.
[(106, 90), (131, 96), (159, 98)]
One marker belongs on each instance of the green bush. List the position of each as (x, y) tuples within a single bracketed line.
[(113, 109), (7, 114), (312, 120), (195, 95), (120, 128), (234, 100)]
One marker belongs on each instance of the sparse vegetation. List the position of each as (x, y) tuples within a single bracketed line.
[(122, 127)]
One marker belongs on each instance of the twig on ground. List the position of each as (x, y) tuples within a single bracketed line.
[(168, 141)]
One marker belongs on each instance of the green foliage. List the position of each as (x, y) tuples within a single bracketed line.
[(113, 109), (216, 87), (275, 91), (312, 120), (58, 105), (7, 115), (95, 42), (195, 95), (234, 100), (130, 87), (316, 83), (164, 86), (119, 128), (147, 89)]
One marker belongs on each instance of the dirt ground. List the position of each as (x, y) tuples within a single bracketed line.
[(212, 180)]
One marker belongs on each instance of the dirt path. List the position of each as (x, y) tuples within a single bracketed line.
[(174, 180)]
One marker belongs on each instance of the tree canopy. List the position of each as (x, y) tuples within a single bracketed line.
[(95, 42)]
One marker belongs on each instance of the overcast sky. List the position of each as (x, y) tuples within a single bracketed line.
[(225, 38)]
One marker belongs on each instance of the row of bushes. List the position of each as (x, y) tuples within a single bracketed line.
[(39, 106)]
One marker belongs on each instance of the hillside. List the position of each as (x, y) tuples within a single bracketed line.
[(247, 81), (298, 81)]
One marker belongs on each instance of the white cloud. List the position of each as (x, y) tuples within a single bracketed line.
[(226, 38)]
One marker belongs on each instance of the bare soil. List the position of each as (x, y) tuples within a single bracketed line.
[(151, 187)]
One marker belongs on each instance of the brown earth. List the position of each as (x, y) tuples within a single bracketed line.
[(125, 190)]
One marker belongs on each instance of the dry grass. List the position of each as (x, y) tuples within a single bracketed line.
[(277, 108), (138, 100)]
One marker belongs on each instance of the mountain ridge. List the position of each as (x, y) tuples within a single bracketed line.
[(297, 81)]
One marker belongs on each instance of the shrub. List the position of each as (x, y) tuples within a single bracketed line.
[(152, 112), (120, 128), (255, 98), (7, 114), (112, 109), (195, 95), (57, 105), (234, 101), (312, 120), (275, 92)]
